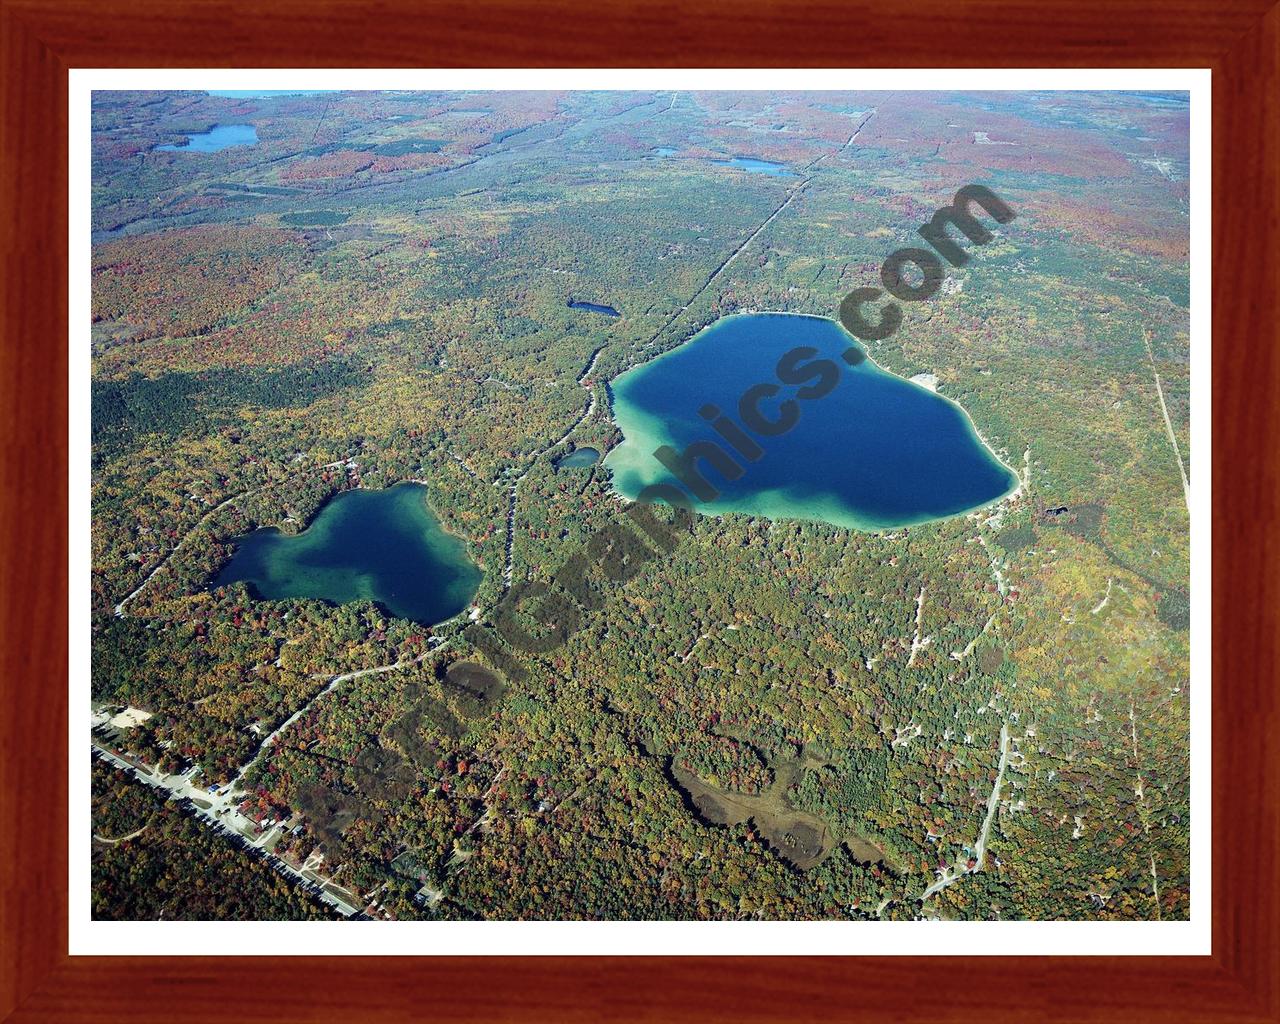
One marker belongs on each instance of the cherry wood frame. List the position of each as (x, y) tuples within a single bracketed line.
[(41, 39)]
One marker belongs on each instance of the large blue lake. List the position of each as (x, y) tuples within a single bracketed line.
[(872, 452), (220, 136), (384, 546)]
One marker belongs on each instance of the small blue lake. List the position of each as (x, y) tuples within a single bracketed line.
[(754, 166), (594, 308), (858, 447), (664, 151), (578, 458), (385, 546), (221, 136)]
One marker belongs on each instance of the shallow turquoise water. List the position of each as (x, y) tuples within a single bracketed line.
[(874, 452), (384, 546)]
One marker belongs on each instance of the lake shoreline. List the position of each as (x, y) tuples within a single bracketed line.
[(390, 547), (846, 522)]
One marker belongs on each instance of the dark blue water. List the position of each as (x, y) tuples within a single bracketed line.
[(744, 163), (875, 451), (221, 136), (605, 310), (384, 546)]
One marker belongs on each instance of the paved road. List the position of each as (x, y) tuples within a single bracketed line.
[(950, 877), (993, 801), (119, 609), (334, 683), (222, 816)]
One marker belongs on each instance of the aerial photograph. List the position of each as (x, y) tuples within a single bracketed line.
[(640, 505)]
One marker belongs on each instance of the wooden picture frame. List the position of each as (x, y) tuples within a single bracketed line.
[(42, 39)]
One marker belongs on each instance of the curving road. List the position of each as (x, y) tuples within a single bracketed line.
[(119, 609)]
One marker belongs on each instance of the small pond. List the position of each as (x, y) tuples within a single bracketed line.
[(220, 136), (577, 458), (594, 308), (744, 163)]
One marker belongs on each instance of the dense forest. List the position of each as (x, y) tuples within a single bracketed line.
[(982, 717)]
